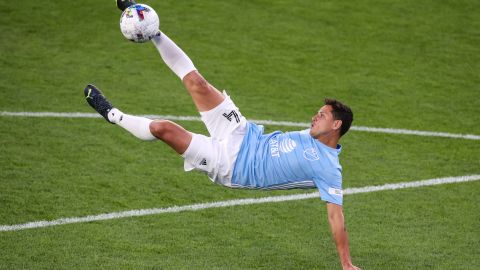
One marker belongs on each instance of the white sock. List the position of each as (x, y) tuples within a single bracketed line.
[(138, 126), (173, 56)]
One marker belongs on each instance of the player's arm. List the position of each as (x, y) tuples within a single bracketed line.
[(339, 232)]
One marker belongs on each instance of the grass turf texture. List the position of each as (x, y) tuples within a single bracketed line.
[(408, 229), (408, 64)]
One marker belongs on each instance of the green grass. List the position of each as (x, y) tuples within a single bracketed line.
[(399, 64), (408, 229)]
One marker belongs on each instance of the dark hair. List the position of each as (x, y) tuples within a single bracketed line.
[(342, 112)]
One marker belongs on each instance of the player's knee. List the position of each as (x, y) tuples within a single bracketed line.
[(161, 128), (196, 83)]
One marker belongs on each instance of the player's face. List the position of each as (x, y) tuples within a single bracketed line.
[(323, 122)]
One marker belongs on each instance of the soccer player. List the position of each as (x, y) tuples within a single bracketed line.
[(237, 153)]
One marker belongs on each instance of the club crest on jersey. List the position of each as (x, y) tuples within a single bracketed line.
[(287, 145), (311, 154)]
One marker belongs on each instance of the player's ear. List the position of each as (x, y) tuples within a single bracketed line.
[(337, 124)]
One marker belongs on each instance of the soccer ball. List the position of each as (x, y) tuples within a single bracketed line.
[(139, 23)]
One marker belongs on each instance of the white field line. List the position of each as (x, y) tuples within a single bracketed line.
[(201, 206), (263, 122)]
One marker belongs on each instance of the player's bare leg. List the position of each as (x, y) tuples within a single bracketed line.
[(172, 134), (204, 95)]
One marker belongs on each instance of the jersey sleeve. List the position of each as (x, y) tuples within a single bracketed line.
[(330, 190)]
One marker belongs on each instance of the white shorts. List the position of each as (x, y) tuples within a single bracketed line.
[(216, 155)]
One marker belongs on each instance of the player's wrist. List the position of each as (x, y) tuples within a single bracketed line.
[(350, 267), (346, 264)]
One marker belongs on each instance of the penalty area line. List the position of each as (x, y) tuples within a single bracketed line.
[(262, 122), (229, 203)]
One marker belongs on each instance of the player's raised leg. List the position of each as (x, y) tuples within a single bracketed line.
[(143, 128), (204, 95)]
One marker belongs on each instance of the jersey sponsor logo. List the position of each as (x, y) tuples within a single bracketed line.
[(203, 162), (311, 154), (287, 145), (232, 114), (274, 148), (335, 191)]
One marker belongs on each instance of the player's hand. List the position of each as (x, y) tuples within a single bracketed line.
[(351, 267)]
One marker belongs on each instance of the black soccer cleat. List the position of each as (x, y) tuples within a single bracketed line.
[(123, 4), (97, 100)]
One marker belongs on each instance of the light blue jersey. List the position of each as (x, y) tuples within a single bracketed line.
[(288, 160)]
